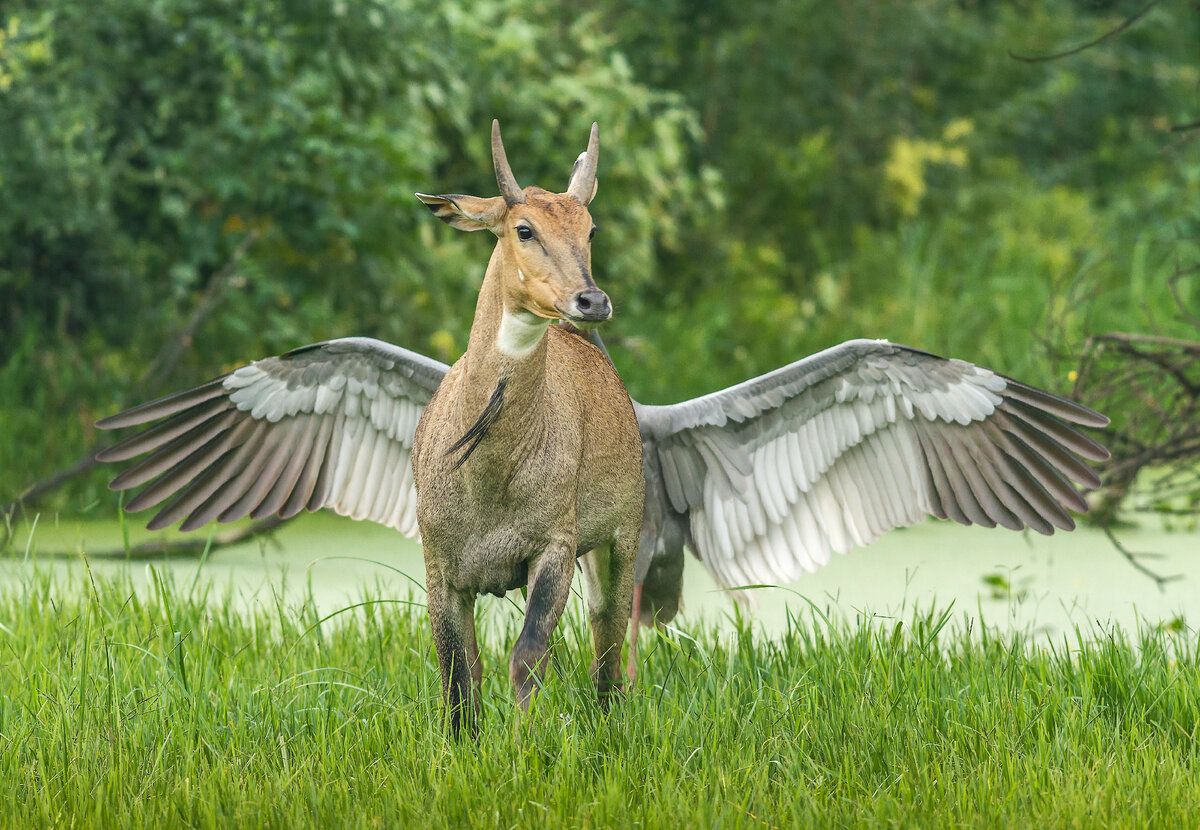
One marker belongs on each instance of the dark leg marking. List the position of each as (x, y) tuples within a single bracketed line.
[(549, 588), (452, 615)]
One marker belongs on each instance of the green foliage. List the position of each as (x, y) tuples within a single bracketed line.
[(170, 706), (775, 178), (151, 139)]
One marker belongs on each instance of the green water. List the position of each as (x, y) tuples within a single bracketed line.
[(1054, 584)]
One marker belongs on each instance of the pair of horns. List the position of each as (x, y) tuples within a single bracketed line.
[(583, 177)]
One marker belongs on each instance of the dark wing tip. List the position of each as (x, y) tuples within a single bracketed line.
[(167, 405), (105, 455), (1088, 417), (1064, 408), (159, 522), (1067, 525), (109, 422)]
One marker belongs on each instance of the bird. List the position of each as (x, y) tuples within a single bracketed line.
[(762, 482)]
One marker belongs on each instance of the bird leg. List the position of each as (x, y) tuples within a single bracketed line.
[(635, 625)]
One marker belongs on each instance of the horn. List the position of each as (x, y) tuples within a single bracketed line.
[(509, 189), (583, 183)]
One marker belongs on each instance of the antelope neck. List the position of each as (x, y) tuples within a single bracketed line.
[(520, 333), (505, 345)]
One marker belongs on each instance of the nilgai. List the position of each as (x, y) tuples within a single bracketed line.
[(526, 457), (762, 481)]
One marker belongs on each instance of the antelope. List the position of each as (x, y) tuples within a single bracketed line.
[(530, 456), (519, 461)]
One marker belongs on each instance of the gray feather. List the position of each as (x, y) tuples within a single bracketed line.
[(164, 433), (284, 449), (171, 454)]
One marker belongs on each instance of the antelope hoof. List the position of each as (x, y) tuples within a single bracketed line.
[(523, 672), (606, 691)]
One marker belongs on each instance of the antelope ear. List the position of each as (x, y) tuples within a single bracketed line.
[(575, 171), (467, 213)]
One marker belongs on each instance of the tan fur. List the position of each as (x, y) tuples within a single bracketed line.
[(558, 474)]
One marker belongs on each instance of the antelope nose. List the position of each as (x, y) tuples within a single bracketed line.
[(592, 305)]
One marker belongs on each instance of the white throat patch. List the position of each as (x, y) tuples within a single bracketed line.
[(520, 333)]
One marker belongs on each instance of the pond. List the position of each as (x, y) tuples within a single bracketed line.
[(1005, 579)]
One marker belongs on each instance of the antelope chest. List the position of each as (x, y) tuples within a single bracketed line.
[(483, 522), (484, 545)]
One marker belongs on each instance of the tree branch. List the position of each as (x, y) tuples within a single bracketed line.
[(184, 547), (168, 357), (1075, 50), (1159, 580)]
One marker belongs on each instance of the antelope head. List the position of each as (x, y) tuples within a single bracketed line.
[(543, 239)]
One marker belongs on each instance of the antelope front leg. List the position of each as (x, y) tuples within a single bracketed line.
[(453, 616), (549, 587)]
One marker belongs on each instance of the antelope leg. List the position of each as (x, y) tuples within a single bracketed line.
[(549, 587), (609, 575), (452, 614)]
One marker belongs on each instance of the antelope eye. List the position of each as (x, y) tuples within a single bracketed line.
[(524, 233), (591, 234)]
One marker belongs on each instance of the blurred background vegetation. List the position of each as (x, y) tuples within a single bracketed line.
[(186, 185)]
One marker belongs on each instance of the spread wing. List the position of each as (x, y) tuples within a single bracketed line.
[(830, 452), (326, 425)]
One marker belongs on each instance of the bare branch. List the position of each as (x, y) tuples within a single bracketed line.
[(1132, 339), (1132, 557), (1150, 384), (168, 358), (158, 548), (1075, 50), (49, 484)]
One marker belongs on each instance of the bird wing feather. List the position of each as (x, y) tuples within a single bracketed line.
[(830, 452), (326, 425)]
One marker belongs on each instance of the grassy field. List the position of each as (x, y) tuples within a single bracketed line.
[(170, 708)]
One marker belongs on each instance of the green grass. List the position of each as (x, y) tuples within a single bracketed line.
[(170, 708)]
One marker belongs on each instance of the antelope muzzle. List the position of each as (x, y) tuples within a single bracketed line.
[(590, 306)]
